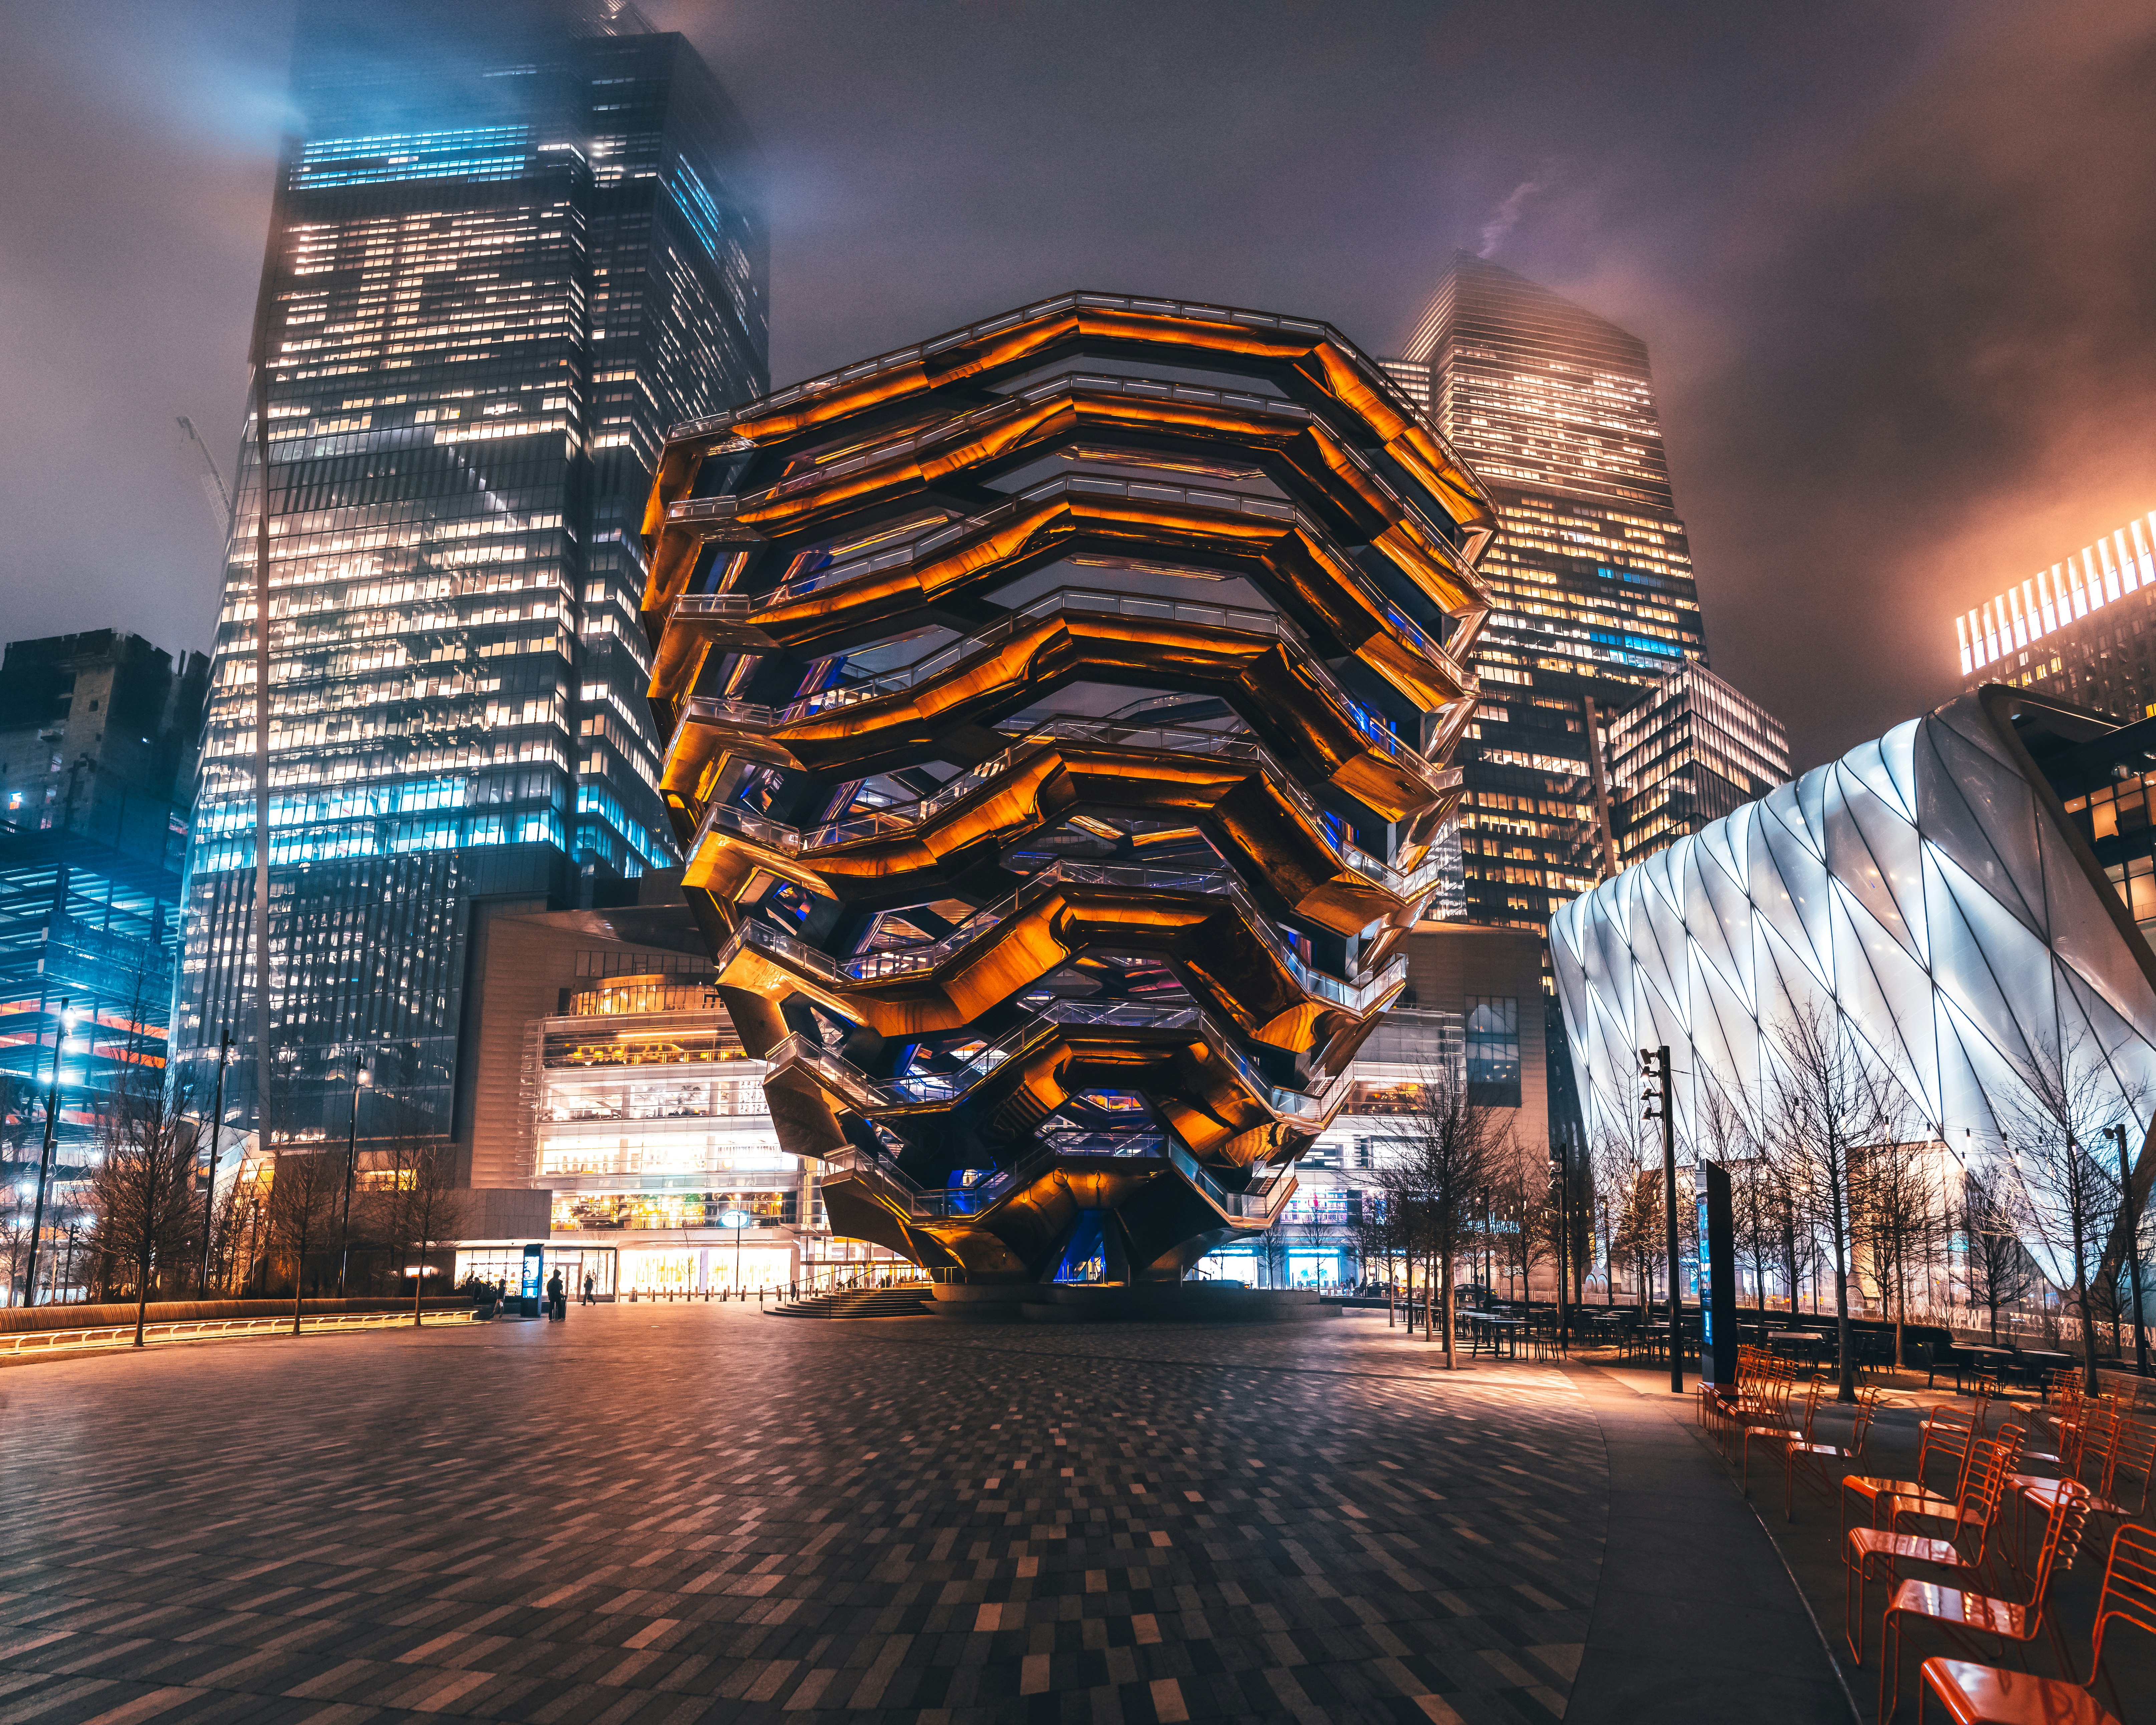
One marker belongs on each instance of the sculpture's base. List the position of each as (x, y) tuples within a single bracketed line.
[(1108, 1302)]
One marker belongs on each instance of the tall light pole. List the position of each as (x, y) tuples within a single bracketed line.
[(45, 1155), (2132, 1248), (1654, 1067), (216, 1120), (351, 1177)]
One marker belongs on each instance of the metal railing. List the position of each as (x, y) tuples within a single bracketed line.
[(720, 426), (757, 718), (928, 956), (39, 1342), (870, 1096), (742, 607)]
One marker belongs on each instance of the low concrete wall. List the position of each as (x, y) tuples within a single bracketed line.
[(16, 1319)]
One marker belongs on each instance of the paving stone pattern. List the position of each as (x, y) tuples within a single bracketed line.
[(677, 1513)]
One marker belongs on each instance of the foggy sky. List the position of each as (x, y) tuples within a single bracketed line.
[(1895, 264)]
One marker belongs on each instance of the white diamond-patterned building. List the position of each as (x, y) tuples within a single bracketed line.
[(1967, 891)]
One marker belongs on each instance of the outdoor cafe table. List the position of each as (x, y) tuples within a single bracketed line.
[(1810, 1341), (1486, 1327)]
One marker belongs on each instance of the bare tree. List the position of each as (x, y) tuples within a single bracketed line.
[(1617, 1170), (1825, 1108), (142, 1186), (1527, 1208), (429, 1204), (1900, 1215), (2054, 1134), (305, 1192), (1447, 1149), (1994, 1263)]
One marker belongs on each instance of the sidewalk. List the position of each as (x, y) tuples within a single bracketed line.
[(1697, 1617)]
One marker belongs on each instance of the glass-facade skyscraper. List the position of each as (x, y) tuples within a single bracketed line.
[(509, 249), (1690, 754), (1590, 575)]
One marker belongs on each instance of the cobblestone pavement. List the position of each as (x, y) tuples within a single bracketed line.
[(689, 1513)]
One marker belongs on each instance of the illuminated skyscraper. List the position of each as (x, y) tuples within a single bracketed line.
[(508, 250), (1690, 753), (1590, 575), (2083, 629)]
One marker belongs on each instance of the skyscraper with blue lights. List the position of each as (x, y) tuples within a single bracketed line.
[(508, 250), (1590, 576)]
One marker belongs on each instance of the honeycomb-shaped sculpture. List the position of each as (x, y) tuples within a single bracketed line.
[(1058, 714)]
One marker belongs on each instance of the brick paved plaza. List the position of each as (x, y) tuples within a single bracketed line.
[(697, 1512)]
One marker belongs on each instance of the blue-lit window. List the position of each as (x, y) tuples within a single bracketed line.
[(475, 152), (1493, 1050)]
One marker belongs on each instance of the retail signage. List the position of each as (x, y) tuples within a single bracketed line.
[(1718, 1277), (533, 1287)]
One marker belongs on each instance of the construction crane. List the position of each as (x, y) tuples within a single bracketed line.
[(214, 486)]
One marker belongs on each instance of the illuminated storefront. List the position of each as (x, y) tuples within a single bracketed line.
[(650, 1127)]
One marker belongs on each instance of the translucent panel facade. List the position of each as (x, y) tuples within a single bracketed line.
[(499, 268), (1945, 891)]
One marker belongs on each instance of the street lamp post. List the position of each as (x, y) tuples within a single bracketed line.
[(2133, 1249), (209, 1186), (736, 1221), (45, 1155), (1655, 1066), (350, 1178)]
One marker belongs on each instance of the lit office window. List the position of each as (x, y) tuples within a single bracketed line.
[(1493, 1050)]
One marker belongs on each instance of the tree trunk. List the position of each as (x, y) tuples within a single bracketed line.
[(1451, 1346), (1846, 1372), (141, 1298), (419, 1288), (299, 1287), (1428, 1330)]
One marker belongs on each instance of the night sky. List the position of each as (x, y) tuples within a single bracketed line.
[(1896, 264)]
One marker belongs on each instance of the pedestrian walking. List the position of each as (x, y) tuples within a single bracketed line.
[(588, 1287), (557, 1298)]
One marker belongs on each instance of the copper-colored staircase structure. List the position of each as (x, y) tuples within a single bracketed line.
[(1057, 718)]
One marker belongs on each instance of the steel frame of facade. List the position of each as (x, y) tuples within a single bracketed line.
[(1930, 891), (1016, 946)]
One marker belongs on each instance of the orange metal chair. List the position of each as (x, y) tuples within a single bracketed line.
[(2090, 1453), (1949, 1432), (1985, 1695), (1780, 1431), (1824, 1458), (1965, 1617), (1762, 1398), (1894, 1511), (1872, 1553)]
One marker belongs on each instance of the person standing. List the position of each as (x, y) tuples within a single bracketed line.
[(588, 1287), (557, 1298)]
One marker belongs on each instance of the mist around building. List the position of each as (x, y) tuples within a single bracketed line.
[(501, 272)]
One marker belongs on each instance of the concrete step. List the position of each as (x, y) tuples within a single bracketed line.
[(907, 1300)]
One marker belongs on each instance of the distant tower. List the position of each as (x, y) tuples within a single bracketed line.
[(502, 263), (1692, 752), (1590, 576)]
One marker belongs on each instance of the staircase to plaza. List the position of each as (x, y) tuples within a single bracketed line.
[(907, 1300)]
